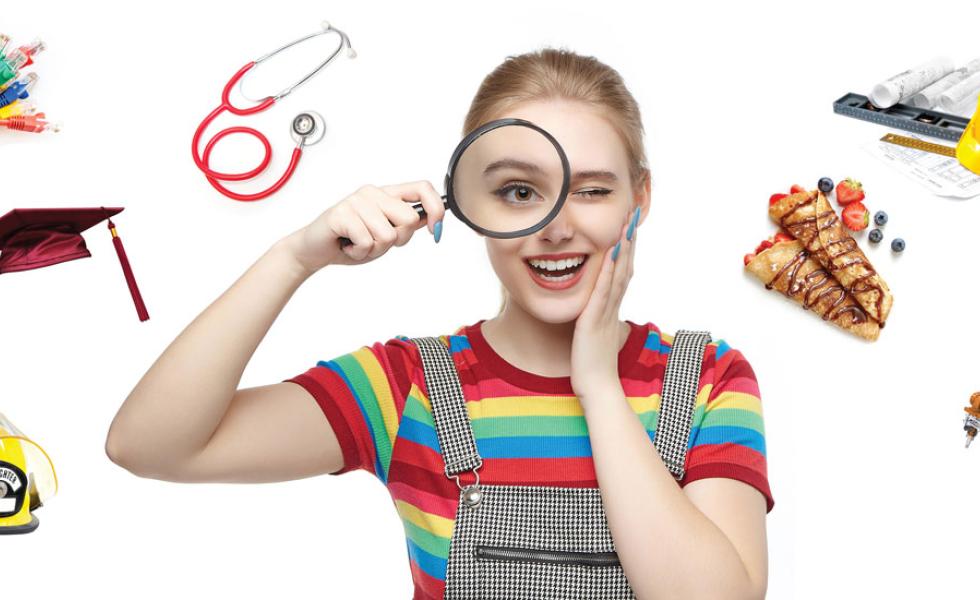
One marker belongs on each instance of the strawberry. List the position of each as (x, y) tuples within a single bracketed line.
[(855, 216), (849, 190), (796, 189), (748, 258), (776, 198), (762, 246), (782, 236)]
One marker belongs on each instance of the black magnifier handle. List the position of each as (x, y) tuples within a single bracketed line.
[(344, 242)]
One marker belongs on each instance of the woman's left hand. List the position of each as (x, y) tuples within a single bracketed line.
[(596, 342)]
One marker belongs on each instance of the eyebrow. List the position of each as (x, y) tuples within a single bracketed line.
[(511, 163), (595, 174), (577, 176)]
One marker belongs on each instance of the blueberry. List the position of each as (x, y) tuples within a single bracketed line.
[(874, 236), (898, 245), (825, 184), (881, 217)]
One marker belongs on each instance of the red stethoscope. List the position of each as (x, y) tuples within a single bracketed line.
[(307, 127)]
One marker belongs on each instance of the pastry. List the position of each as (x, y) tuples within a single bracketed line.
[(790, 268), (810, 218)]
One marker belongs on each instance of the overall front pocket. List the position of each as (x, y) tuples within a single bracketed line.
[(551, 557), (520, 573), (534, 543)]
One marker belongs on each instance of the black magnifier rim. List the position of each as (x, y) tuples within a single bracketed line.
[(475, 135)]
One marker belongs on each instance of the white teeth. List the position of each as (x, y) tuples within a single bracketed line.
[(564, 277), (557, 265)]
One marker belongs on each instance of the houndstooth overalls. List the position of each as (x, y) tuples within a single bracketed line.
[(542, 542)]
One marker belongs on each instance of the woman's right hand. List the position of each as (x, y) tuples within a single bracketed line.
[(373, 218)]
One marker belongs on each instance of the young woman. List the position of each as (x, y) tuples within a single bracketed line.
[(559, 390)]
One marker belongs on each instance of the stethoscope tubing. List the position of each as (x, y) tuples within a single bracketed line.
[(202, 159)]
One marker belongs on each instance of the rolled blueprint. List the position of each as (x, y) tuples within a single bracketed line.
[(903, 85), (960, 93), (929, 97), (968, 107)]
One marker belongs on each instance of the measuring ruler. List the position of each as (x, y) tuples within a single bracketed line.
[(903, 116), (901, 140)]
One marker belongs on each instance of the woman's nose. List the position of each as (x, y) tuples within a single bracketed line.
[(560, 228)]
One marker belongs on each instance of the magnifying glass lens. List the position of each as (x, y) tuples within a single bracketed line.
[(508, 179)]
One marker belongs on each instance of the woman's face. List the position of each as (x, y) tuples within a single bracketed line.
[(600, 201)]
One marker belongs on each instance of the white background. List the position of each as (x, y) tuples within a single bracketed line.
[(875, 495)]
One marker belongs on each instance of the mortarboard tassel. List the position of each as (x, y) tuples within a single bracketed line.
[(128, 272)]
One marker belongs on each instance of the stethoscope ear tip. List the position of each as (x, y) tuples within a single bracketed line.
[(351, 53)]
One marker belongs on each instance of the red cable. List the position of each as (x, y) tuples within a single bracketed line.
[(203, 160)]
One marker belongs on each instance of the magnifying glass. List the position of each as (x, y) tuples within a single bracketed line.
[(508, 178)]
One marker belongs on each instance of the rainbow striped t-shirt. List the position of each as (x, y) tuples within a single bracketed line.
[(529, 429)]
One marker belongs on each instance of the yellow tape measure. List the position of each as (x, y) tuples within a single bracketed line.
[(915, 144)]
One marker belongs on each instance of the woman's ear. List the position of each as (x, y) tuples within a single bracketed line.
[(641, 197)]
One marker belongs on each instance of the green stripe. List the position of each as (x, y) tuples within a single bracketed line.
[(736, 417), (369, 401), (649, 419), (490, 427), (426, 540), (415, 410)]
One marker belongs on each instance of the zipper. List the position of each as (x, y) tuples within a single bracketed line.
[(557, 557)]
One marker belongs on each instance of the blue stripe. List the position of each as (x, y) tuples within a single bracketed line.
[(723, 434), (420, 433), (654, 343), (333, 366), (431, 565), (534, 447), (458, 342), (722, 348)]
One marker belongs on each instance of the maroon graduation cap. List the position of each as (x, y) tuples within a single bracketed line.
[(31, 238)]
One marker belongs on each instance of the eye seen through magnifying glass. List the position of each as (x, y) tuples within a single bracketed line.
[(508, 178)]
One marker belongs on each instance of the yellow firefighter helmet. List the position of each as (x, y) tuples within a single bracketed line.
[(27, 479)]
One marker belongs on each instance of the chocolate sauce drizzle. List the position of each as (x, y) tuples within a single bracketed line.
[(815, 286), (861, 285)]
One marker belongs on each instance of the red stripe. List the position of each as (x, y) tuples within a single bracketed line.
[(732, 471), (313, 381), (418, 455), (423, 499), (426, 586), (539, 471), (709, 453), (397, 359), (433, 482)]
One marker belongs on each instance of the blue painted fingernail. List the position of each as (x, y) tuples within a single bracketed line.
[(616, 250), (632, 227), (438, 230)]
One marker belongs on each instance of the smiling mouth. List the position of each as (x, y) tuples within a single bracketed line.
[(557, 275)]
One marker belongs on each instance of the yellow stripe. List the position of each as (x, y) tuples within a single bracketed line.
[(434, 524), (416, 391), (742, 400), (382, 390), (642, 404), (536, 406)]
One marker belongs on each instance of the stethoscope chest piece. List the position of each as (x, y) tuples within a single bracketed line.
[(307, 128)]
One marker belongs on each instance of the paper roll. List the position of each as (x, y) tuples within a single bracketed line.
[(952, 98), (968, 107), (903, 85), (929, 97)]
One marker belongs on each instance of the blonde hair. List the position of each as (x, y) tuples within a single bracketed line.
[(558, 73)]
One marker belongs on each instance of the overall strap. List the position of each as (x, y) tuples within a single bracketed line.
[(678, 398), (448, 407)]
